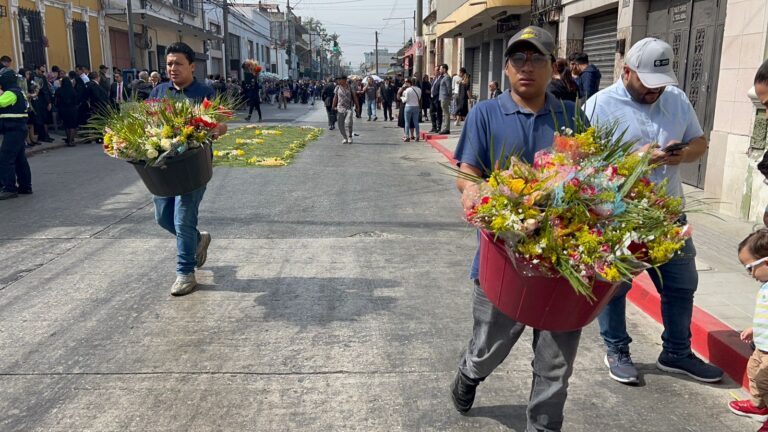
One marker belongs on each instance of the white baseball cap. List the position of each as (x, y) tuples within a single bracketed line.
[(652, 58)]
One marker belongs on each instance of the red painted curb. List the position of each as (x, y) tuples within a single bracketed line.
[(432, 140), (717, 342)]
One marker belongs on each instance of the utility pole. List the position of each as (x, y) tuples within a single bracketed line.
[(418, 59), (225, 31), (131, 39), (289, 22), (376, 68)]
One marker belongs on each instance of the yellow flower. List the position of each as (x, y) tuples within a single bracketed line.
[(271, 162), (239, 141), (610, 274), (167, 132), (216, 153), (240, 152)]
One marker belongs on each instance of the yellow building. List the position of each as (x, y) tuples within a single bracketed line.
[(54, 33)]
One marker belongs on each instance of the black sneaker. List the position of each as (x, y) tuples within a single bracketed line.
[(621, 368), (25, 192), (7, 195), (463, 392), (689, 365)]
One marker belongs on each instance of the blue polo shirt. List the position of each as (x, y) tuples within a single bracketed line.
[(196, 91), (497, 128)]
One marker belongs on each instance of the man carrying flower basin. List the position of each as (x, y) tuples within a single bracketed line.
[(519, 122), (664, 123), (178, 215)]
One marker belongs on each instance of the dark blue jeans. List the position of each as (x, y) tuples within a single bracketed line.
[(178, 215), (676, 282), (13, 161)]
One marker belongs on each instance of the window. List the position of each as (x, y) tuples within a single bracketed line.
[(250, 49), (187, 5), (215, 29), (234, 46)]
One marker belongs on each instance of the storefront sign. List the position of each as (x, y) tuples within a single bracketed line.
[(679, 13)]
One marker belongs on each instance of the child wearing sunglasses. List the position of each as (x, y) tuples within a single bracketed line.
[(753, 254)]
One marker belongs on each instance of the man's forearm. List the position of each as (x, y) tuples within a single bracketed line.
[(696, 148)]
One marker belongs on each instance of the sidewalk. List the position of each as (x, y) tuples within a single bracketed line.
[(725, 298)]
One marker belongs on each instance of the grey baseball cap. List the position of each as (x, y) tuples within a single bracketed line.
[(536, 36), (652, 59)]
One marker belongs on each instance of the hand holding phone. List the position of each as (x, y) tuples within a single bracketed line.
[(675, 147)]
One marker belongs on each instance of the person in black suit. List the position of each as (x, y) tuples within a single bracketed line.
[(96, 97), (66, 102), (117, 92)]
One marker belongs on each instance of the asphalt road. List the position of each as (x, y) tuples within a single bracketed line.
[(335, 298)]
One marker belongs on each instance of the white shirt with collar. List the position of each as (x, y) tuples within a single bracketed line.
[(84, 77), (670, 118), (456, 82)]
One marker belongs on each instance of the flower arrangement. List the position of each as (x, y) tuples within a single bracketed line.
[(585, 209), (253, 66), (267, 148), (155, 130)]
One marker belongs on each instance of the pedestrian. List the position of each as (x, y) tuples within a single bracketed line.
[(284, 96), (589, 76), (29, 87), (327, 96), (82, 98), (660, 113), (517, 123), (15, 174), (83, 72), (761, 90), (462, 97), (411, 99), (493, 90), (387, 97), (360, 93), (118, 94), (178, 215), (155, 78), (455, 81), (344, 101), (426, 97), (66, 102), (252, 91), (98, 99), (436, 112), (753, 254), (104, 80), (5, 62), (371, 92), (445, 95), (43, 104), (562, 85)]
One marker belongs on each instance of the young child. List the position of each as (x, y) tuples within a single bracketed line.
[(753, 254)]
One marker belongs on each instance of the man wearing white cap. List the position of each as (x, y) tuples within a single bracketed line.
[(662, 120)]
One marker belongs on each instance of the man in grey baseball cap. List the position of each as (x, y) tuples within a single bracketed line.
[(650, 110)]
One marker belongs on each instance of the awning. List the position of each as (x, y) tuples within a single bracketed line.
[(409, 52), (475, 16)]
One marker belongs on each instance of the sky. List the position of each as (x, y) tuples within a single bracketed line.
[(355, 21)]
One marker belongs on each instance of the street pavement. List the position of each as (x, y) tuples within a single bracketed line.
[(335, 298)]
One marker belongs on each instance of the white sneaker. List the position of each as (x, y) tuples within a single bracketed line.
[(349, 141), (184, 284), (344, 141), (202, 248)]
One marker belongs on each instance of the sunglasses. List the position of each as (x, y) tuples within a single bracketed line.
[(519, 59), (751, 266)]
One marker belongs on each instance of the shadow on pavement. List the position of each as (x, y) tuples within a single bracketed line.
[(308, 301), (651, 369), (511, 416)]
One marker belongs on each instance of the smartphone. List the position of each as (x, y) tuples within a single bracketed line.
[(675, 147)]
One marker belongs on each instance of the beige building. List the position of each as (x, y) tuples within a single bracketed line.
[(53, 33)]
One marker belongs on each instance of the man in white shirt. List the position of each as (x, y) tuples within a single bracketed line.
[(650, 110), (84, 71), (455, 82)]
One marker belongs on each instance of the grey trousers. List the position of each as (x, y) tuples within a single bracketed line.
[(445, 105), (493, 336), (345, 120)]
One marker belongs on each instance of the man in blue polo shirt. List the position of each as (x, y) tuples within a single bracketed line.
[(520, 122), (660, 118), (178, 215)]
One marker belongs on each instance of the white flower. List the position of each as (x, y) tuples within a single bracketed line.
[(152, 153), (165, 144)]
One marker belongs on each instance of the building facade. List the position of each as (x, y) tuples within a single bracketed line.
[(53, 33)]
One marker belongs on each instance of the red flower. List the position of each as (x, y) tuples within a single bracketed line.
[(485, 200), (206, 103), (199, 121)]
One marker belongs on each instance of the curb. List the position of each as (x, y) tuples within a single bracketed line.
[(717, 342), (43, 148)]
